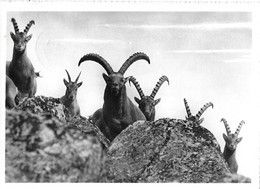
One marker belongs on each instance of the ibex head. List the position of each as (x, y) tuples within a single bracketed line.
[(20, 38), (147, 103), (232, 139), (72, 87), (197, 117), (115, 80)]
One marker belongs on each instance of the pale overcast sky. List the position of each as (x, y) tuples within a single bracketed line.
[(206, 56)]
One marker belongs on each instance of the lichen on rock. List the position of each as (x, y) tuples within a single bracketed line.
[(167, 150)]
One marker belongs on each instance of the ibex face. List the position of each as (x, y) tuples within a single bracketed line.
[(232, 141), (115, 82), (20, 40), (147, 105), (72, 87), (71, 91)]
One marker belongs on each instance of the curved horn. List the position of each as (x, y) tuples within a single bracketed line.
[(226, 126), (97, 58), (28, 26), (68, 75), (132, 59), (137, 86), (203, 109), (187, 108), (16, 29), (158, 85), (239, 127)]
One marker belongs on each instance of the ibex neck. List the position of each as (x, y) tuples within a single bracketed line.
[(67, 102), (229, 154), (19, 55)]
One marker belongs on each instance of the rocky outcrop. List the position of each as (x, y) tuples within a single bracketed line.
[(167, 150), (42, 145), (46, 144)]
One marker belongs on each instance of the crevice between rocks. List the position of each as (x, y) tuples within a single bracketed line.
[(156, 154)]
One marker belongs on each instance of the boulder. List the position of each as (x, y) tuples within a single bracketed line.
[(167, 150), (43, 145)]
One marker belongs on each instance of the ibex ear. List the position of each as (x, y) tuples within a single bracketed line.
[(79, 84), (137, 100), (12, 35), (126, 79), (201, 120), (156, 101), (28, 38), (225, 137), (65, 82), (106, 78), (239, 139)]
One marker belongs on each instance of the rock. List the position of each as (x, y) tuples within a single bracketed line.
[(42, 105), (40, 148), (233, 178), (167, 150)]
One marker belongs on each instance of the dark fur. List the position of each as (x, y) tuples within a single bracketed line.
[(11, 92)]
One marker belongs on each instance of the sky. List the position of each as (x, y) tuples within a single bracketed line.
[(207, 57)]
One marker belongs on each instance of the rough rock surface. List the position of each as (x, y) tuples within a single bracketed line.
[(167, 150), (43, 147), (45, 144)]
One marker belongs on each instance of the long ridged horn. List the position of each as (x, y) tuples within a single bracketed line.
[(16, 29), (28, 26), (187, 108), (203, 109), (137, 86), (158, 85), (239, 127), (226, 126), (77, 78), (68, 75), (97, 58), (131, 60)]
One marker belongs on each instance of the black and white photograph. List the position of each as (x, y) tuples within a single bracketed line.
[(110, 95)]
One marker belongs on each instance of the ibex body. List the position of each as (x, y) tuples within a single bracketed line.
[(70, 98), (11, 92), (196, 118), (21, 70), (231, 141), (118, 110), (147, 103)]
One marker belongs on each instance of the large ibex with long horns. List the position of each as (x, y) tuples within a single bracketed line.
[(70, 98), (147, 103), (196, 118), (231, 141), (21, 70), (118, 111)]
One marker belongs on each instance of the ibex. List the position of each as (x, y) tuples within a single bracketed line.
[(231, 144), (21, 70), (147, 103), (11, 92), (196, 118), (118, 111), (70, 98)]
